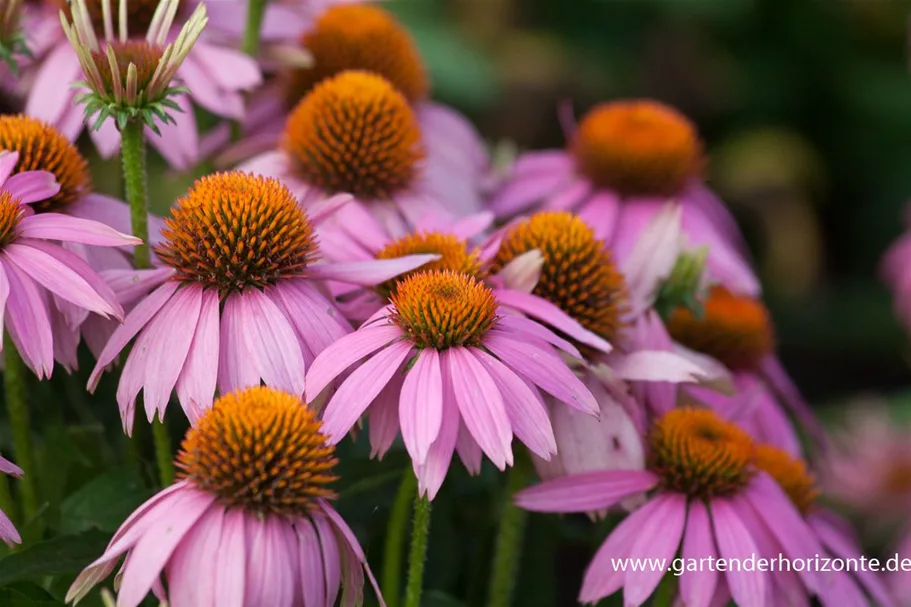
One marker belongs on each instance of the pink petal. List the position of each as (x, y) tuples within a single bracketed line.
[(8, 533), (384, 417), (4, 297), (310, 561), (8, 160), (134, 322), (230, 561), (271, 338), (585, 492), (602, 212), (328, 540), (653, 256), (179, 140), (523, 191), (32, 186), (235, 367), (54, 226), (207, 94), (360, 388), (197, 380), (62, 272), (469, 451), (514, 324), (749, 589), (46, 100), (421, 404), (544, 368), (654, 365), (272, 580), (524, 406), (191, 577), (570, 196), (317, 321), (432, 473), (698, 587), (229, 68), (8, 467), (333, 361), (521, 275), (481, 406), (658, 538), (368, 273), (28, 322)]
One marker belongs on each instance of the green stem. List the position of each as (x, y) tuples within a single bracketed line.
[(256, 10), (14, 374), (135, 178), (391, 579), (417, 555), (508, 547)]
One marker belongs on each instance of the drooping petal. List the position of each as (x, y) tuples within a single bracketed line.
[(584, 492), (698, 587), (275, 349), (231, 561), (32, 186), (421, 404), (191, 578), (469, 451), (28, 322), (654, 365), (333, 361), (369, 273), (235, 367), (522, 274), (328, 540), (653, 256), (384, 417), (54, 226), (749, 589), (317, 321), (197, 380), (515, 324), (432, 473), (312, 578), (658, 538)]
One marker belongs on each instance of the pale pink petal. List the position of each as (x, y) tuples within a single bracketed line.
[(524, 406), (197, 380), (658, 538), (481, 406), (133, 324), (207, 93), (317, 321), (271, 581), (653, 256), (4, 297), (749, 588), (569, 197), (47, 100), (698, 587), (274, 348), (310, 562), (654, 365), (191, 577), (433, 472), (54, 226), (584, 492), (8, 160), (236, 365), (333, 361), (525, 190), (230, 561), (324, 208), (521, 275), (360, 388), (421, 404), (368, 273), (544, 368), (28, 322)]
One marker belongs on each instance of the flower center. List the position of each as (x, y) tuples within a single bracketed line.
[(791, 475), (355, 133), (695, 452), (360, 37), (733, 329), (140, 53), (638, 148), (441, 309), (453, 252), (262, 450), (236, 230), (42, 147), (10, 214), (578, 274)]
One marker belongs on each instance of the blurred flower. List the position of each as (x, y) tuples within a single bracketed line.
[(248, 523), (34, 266), (736, 330), (41, 147), (215, 75), (446, 366), (707, 488), (237, 300), (625, 159), (8, 532), (895, 269), (363, 37), (13, 46), (834, 535)]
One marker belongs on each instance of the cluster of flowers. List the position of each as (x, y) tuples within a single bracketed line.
[(365, 262)]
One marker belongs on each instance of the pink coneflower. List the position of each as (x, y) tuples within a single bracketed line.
[(34, 267), (736, 330), (445, 365), (238, 299), (8, 533), (351, 36), (216, 75), (834, 534), (701, 485), (625, 159), (249, 521)]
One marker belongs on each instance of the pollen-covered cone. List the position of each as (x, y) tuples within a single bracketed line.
[(248, 523)]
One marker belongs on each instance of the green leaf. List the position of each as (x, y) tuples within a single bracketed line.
[(24, 594), (66, 554), (104, 502)]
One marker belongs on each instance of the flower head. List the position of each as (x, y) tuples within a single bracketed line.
[(239, 297), (455, 254), (354, 133), (129, 78), (442, 356), (252, 491), (790, 473), (360, 37)]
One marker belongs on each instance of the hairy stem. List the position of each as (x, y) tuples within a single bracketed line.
[(391, 579), (508, 547), (417, 556)]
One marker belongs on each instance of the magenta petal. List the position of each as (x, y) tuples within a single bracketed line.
[(8, 467), (749, 588), (32, 186), (515, 324), (421, 404), (544, 368), (344, 353), (317, 321), (273, 343), (197, 380), (698, 587), (54, 226), (368, 273), (658, 538), (432, 473), (4, 297), (8, 533), (602, 577), (481, 405), (527, 414), (585, 492), (28, 322), (134, 322), (360, 388)]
